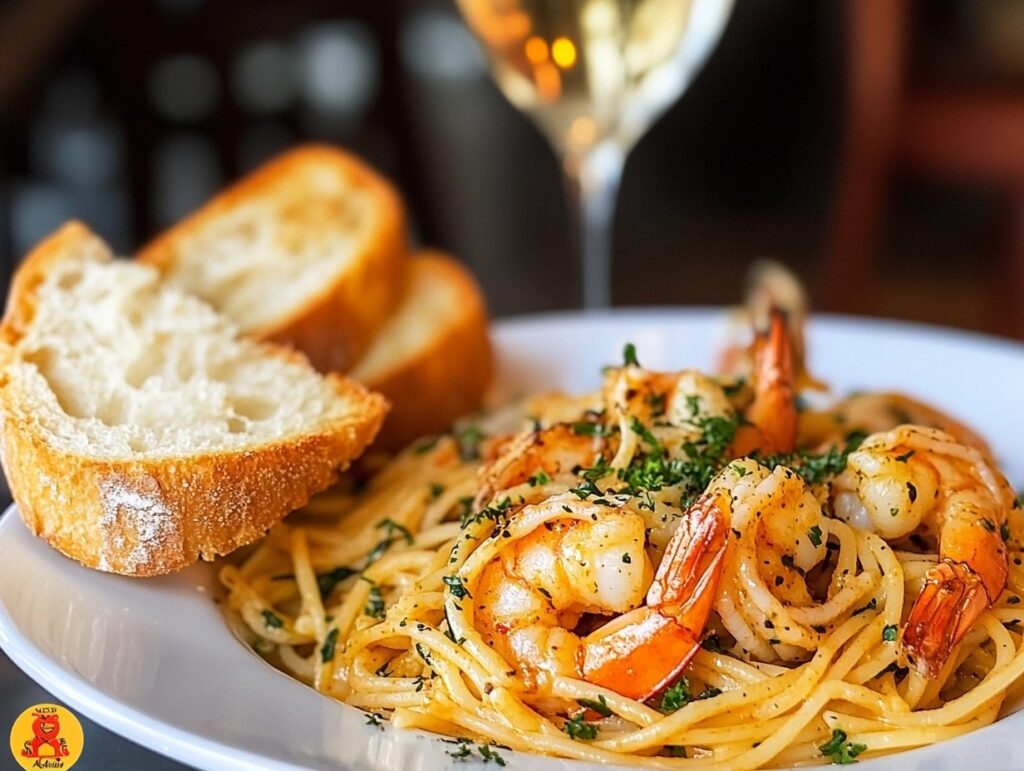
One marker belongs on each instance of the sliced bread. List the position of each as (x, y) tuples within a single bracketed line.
[(141, 431), (308, 250), (432, 359)]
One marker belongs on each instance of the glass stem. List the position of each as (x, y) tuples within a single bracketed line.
[(593, 181)]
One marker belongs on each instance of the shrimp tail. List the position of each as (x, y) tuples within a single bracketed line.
[(772, 416), (953, 598), (643, 652)]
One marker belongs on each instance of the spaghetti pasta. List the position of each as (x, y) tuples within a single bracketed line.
[(376, 597)]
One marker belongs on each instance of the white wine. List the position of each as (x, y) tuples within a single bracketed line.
[(586, 70), (594, 74)]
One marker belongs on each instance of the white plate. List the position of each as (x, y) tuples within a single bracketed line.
[(153, 660)]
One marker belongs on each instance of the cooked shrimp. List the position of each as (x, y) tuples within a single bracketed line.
[(772, 413), (672, 406), (589, 557), (764, 601), (771, 288), (552, 452), (916, 480)]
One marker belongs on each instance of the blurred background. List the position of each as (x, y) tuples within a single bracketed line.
[(874, 146)]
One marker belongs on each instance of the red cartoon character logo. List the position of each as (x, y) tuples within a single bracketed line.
[(46, 728), (46, 736)]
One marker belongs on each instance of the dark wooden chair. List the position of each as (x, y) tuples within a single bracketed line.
[(969, 135)]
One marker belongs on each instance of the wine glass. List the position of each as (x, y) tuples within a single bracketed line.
[(593, 75)]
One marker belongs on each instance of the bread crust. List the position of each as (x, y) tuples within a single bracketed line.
[(334, 326), (149, 516), (446, 379)]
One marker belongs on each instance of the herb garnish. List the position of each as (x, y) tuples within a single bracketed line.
[(455, 585), (327, 581), (469, 440), (841, 751), (393, 531), (679, 695), (375, 602), (327, 651), (815, 535), (600, 706), (580, 730), (629, 355)]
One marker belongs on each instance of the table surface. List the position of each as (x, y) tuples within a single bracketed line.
[(103, 751)]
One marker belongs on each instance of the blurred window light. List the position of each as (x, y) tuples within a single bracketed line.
[(85, 154), (338, 69), (37, 209), (261, 141), (435, 44), (184, 87), (73, 95), (186, 172), (263, 77)]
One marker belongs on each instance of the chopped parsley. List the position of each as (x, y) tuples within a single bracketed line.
[(815, 535), (652, 469), (839, 750), (271, 620), (327, 581), (327, 651), (469, 440), (585, 490), (496, 513), (540, 478), (464, 753), (816, 469), (436, 488), (579, 729), (488, 753), (587, 428), (391, 527), (426, 445), (375, 602), (456, 587), (644, 433), (629, 355), (393, 531), (889, 633), (375, 718), (905, 456), (679, 695), (600, 706)]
